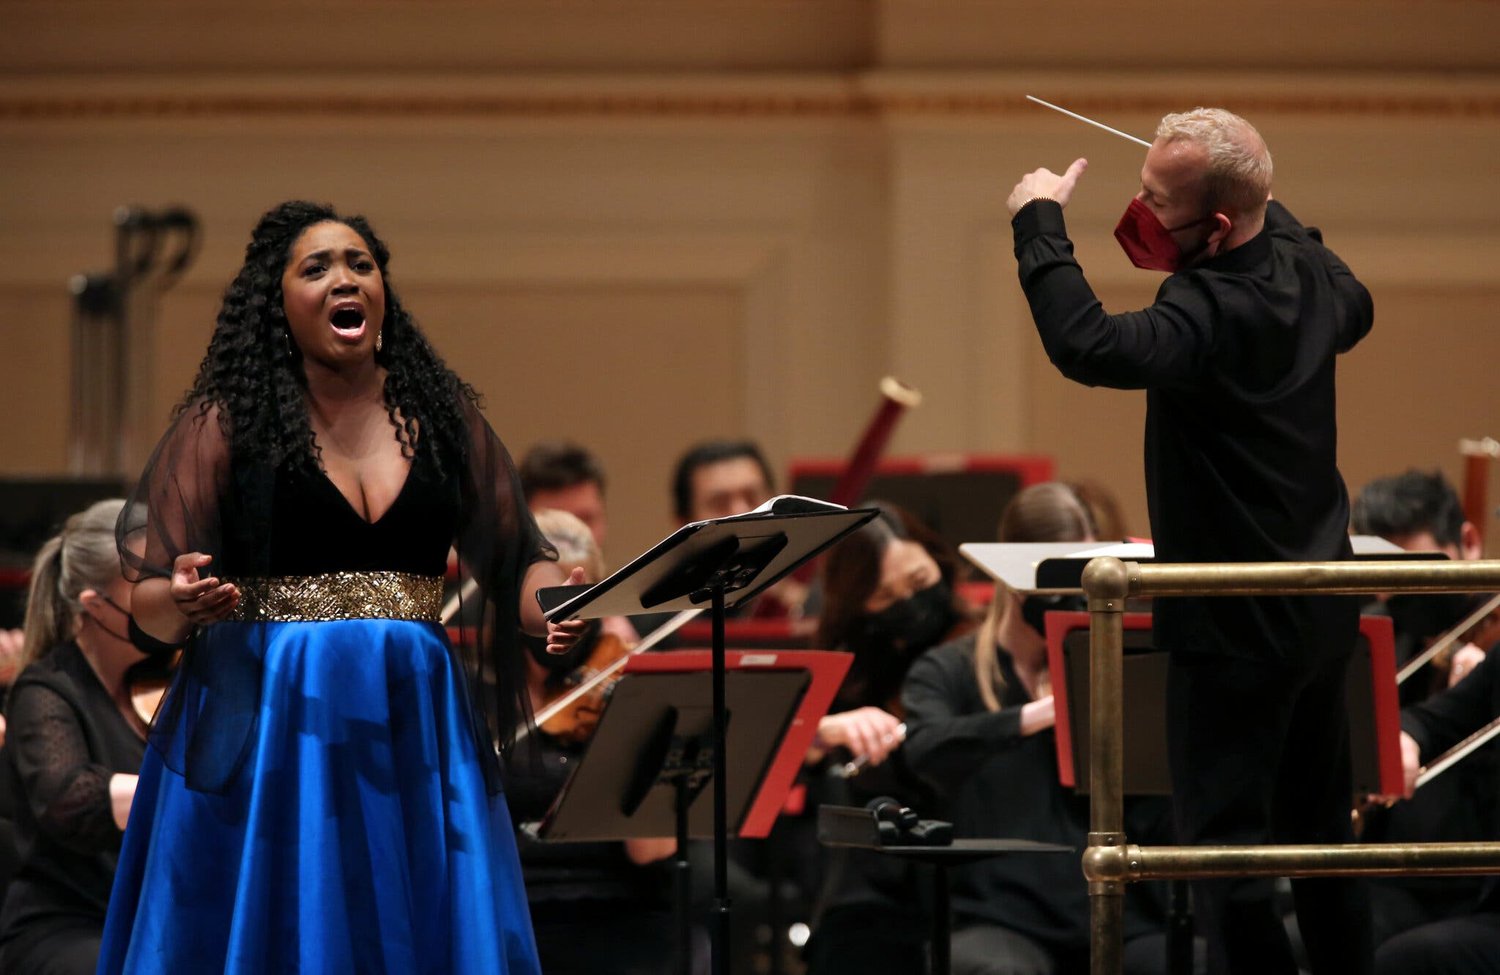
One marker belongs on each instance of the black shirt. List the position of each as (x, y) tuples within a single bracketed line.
[(1237, 355), (996, 782), (1446, 719), (65, 738)]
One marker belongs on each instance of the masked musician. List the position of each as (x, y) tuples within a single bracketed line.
[(597, 906), (1237, 357), (889, 597), (76, 744)]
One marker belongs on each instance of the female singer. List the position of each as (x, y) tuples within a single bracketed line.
[(888, 595), (322, 792), (75, 745), (980, 732)]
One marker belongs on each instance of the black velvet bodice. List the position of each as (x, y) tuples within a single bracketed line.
[(313, 529)]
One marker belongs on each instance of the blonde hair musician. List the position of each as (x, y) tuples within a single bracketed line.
[(75, 745), (1050, 512), (980, 717)]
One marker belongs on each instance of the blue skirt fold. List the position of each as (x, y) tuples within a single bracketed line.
[(356, 835)]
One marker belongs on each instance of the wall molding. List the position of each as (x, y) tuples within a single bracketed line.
[(823, 95)]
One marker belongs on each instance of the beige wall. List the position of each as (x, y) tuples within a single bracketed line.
[(641, 223)]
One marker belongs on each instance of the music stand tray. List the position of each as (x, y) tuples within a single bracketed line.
[(775, 700), (743, 555), (1374, 716), (655, 750)]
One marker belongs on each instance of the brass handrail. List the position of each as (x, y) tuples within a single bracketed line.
[(1110, 862)]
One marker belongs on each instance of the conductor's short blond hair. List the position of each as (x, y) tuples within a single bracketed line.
[(1238, 178)]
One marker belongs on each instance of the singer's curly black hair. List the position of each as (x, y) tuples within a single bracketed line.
[(252, 370)]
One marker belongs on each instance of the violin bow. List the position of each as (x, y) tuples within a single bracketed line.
[(465, 591), (1457, 753), (1447, 639)]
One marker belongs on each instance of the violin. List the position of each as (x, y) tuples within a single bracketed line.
[(147, 680), (601, 676), (578, 716)]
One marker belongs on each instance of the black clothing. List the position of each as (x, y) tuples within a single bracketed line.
[(1283, 775), (65, 739), (874, 912), (1237, 358), (255, 517), (995, 782), (1446, 719), (1237, 355), (1463, 805), (592, 909), (1468, 944), (573, 888)]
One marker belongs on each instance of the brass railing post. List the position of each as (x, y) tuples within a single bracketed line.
[(1104, 863), (1109, 864)]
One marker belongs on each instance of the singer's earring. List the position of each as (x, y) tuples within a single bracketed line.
[(287, 336), (379, 340)]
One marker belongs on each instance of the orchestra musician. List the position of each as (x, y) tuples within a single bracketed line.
[(980, 719), (563, 476), (560, 476), (1468, 942), (719, 478), (1420, 512), (595, 906), (1237, 357), (889, 596), (76, 743)]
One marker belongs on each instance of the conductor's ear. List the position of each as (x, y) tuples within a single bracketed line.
[(1222, 226)]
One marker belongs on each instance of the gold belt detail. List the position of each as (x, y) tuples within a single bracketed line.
[(339, 596)]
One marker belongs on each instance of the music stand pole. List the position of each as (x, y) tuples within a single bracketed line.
[(720, 953)]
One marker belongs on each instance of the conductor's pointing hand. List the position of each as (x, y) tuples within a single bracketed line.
[(1044, 184)]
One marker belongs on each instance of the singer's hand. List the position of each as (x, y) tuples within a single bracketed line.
[(1045, 184), (562, 636), (201, 600)]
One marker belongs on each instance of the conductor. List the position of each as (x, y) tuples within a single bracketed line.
[(1237, 357)]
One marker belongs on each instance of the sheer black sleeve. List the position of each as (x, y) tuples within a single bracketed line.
[(182, 504), (67, 792), (498, 541), (175, 507)]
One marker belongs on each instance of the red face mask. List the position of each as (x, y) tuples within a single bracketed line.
[(1147, 243)]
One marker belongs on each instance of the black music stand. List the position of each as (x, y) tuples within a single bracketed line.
[(654, 752), (720, 563), (861, 829)]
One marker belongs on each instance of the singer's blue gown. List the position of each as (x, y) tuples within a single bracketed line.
[(353, 831)]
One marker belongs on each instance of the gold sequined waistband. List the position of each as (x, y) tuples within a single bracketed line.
[(339, 596)]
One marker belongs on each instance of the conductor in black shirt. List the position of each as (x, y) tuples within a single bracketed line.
[(1237, 357)]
